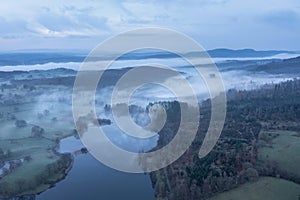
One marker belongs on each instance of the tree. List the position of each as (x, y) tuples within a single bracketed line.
[(1, 153), (46, 112), (27, 158), (37, 131), (54, 119), (40, 115), (21, 123)]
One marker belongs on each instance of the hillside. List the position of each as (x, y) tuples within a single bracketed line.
[(286, 66)]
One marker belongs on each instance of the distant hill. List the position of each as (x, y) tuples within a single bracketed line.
[(43, 57), (286, 66), (32, 58), (244, 53)]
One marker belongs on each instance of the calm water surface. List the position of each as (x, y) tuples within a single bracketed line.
[(89, 179)]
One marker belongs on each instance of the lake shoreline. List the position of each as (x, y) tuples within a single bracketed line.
[(48, 183)]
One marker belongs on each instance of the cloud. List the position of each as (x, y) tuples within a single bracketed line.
[(214, 23), (12, 28), (282, 19), (49, 20), (71, 18), (69, 21), (144, 12)]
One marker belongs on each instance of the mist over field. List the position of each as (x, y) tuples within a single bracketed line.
[(197, 100)]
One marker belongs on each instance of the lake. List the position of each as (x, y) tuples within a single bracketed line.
[(90, 179)]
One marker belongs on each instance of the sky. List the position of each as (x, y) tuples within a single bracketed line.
[(82, 24)]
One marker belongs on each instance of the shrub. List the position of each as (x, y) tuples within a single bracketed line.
[(21, 123)]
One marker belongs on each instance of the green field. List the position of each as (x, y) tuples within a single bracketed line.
[(45, 166), (266, 188), (32, 176), (282, 147)]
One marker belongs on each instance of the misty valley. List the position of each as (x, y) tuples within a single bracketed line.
[(256, 156)]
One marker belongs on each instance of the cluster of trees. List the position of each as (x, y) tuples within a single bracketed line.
[(103, 122), (248, 112), (279, 102), (7, 116), (20, 123), (159, 184), (83, 121), (58, 167), (45, 113), (37, 131)]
